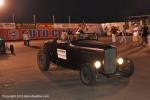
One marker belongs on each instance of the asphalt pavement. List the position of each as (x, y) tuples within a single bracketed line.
[(21, 79)]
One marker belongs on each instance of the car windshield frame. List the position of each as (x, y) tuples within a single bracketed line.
[(85, 38)]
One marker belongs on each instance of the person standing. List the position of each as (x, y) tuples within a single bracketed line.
[(113, 31), (106, 30), (136, 35), (148, 38), (123, 32), (26, 39), (144, 35), (79, 33)]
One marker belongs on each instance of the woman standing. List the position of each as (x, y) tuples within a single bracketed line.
[(136, 35)]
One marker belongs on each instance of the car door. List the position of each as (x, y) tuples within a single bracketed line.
[(74, 55), (63, 52)]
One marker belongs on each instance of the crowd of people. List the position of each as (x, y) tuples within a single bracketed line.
[(140, 33)]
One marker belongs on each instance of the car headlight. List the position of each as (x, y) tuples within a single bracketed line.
[(97, 64), (120, 61)]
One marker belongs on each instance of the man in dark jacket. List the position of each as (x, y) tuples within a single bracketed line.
[(114, 32), (144, 35)]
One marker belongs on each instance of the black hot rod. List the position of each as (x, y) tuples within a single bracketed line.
[(85, 53)]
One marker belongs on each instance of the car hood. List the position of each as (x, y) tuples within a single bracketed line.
[(92, 44)]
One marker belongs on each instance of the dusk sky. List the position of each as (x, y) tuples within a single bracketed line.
[(88, 10)]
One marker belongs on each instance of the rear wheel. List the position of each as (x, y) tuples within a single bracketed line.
[(87, 74), (43, 60)]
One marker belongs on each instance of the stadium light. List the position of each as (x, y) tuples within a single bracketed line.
[(1, 3)]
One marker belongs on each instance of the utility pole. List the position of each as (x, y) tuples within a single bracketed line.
[(53, 25), (69, 19), (13, 18), (34, 20), (53, 19)]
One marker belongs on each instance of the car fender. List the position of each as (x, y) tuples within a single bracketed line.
[(50, 47)]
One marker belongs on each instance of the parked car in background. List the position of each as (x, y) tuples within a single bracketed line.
[(4, 48)]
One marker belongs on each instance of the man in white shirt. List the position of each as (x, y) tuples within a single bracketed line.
[(26, 39)]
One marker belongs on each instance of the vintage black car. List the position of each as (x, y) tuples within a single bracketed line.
[(4, 47), (86, 54)]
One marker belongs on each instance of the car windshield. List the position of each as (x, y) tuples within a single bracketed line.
[(84, 36)]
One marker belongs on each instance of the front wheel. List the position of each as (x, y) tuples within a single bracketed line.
[(128, 68), (87, 75), (43, 60)]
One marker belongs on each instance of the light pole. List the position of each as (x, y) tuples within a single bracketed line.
[(2, 3), (13, 18), (34, 20)]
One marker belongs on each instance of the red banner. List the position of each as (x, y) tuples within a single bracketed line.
[(37, 33), (42, 30), (8, 34), (7, 26)]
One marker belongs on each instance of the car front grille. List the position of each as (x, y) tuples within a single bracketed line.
[(110, 61)]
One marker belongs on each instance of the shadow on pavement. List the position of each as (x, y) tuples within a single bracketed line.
[(69, 81), (35, 47), (137, 49), (6, 56), (125, 49), (148, 51)]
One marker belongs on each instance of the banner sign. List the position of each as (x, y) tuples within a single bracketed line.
[(13, 34), (25, 26), (7, 26), (10, 34), (4, 34), (43, 30), (66, 25), (37, 33), (44, 26)]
